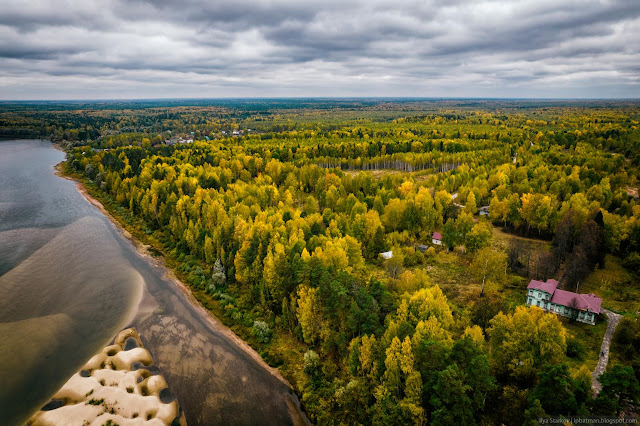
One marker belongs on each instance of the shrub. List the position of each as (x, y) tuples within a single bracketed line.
[(632, 262), (262, 331), (575, 349), (626, 339), (311, 363)]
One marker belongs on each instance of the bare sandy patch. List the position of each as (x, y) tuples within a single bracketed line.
[(114, 385)]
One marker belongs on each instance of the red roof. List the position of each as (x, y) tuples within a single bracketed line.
[(549, 286), (584, 301), (437, 236)]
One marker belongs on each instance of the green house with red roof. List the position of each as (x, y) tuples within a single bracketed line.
[(545, 295)]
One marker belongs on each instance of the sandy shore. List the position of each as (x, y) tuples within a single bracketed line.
[(206, 315), (116, 386)]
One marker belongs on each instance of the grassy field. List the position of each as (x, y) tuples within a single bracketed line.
[(618, 288), (590, 337), (501, 239)]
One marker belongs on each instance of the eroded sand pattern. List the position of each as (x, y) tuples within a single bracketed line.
[(119, 384)]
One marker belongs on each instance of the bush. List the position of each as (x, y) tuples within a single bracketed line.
[(312, 364), (632, 262), (262, 331), (575, 349), (626, 339)]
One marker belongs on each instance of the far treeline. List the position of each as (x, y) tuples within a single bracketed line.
[(280, 230)]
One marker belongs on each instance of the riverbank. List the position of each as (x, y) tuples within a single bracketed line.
[(117, 385), (153, 254), (159, 260)]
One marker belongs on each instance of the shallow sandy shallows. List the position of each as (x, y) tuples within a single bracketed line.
[(119, 385)]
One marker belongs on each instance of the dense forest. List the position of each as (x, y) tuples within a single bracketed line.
[(279, 230)]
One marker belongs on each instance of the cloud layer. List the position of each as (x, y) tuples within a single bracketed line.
[(74, 49)]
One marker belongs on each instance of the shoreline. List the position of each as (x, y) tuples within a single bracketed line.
[(143, 250), (296, 411)]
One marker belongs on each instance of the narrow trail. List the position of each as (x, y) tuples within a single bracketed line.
[(612, 319)]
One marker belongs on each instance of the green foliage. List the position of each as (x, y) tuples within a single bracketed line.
[(632, 262), (283, 226), (534, 413), (525, 342), (478, 237), (626, 339), (575, 349), (262, 331), (620, 391), (555, 390)]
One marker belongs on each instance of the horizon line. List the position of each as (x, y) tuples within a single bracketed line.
[(251, 98)]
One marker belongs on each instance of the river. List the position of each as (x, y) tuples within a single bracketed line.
[(70, 280)]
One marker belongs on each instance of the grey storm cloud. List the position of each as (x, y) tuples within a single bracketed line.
[(52, 49)]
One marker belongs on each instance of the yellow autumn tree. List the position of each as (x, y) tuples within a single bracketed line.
[(471, 206), (526, 340), (309, 314), (432, 330), (428, 302), (474, 333), (536, 211)]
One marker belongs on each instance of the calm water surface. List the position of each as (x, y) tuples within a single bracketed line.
[(69, 281)]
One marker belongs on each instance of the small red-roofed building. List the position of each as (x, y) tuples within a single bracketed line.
[(437, 238), (545, 294)]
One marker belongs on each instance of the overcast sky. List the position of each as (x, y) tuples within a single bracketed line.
[(85, 49)]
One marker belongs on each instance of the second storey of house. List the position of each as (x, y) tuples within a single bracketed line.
[(537, 297)]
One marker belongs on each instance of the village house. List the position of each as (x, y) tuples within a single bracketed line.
[(484, 211), (582, 307), (437, 238), (387, 254)]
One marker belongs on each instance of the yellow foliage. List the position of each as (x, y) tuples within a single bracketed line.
[(406, 187), (309, 313), (475, 333), (429, 302), (526, 340), (411, 281), (431, 329)]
